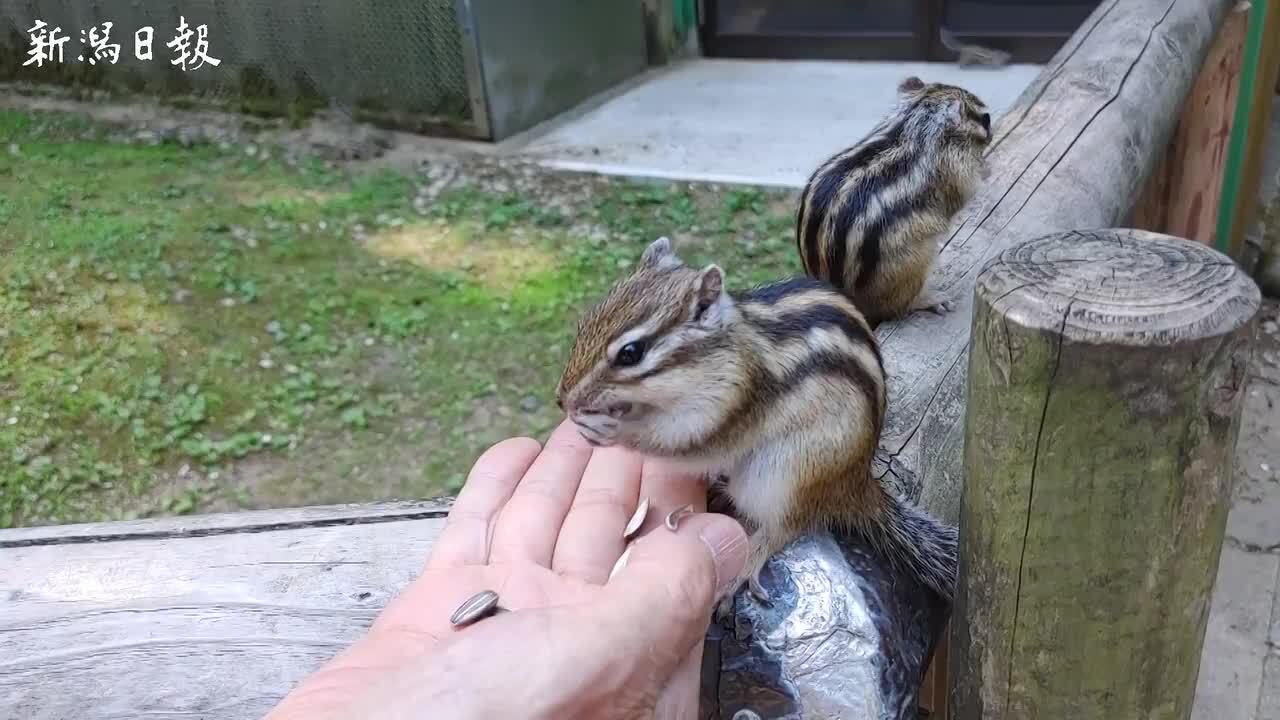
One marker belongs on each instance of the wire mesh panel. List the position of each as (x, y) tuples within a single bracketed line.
[(395, 62)]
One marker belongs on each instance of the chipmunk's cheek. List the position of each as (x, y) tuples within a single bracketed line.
[(634, 412)]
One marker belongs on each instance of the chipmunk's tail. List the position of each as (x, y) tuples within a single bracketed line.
[(916, 543)]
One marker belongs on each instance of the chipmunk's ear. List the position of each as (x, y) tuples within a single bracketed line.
[(660, 255), (711, 301), (910, 85)]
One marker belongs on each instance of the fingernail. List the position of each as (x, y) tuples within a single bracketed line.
[(621, 563), (728, 544)]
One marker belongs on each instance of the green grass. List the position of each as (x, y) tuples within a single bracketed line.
[(187, 329)]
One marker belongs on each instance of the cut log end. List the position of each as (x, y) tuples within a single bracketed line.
[(1119, 286), (1105, 390)]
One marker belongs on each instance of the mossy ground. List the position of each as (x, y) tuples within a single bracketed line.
[(185, 329)]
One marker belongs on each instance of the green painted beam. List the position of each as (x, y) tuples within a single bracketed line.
[(1228, 201), (685, 16)]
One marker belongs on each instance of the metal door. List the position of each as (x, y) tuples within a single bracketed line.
[(877, 30)]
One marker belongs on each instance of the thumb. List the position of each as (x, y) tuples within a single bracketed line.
[(668, 584)]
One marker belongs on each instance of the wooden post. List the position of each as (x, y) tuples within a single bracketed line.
[(1105, 389)]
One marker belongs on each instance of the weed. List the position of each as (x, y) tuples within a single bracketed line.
[(191, 318)]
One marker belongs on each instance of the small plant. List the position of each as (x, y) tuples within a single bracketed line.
[(193, 312)]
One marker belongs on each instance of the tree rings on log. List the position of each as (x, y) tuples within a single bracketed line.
[(1105, 388)]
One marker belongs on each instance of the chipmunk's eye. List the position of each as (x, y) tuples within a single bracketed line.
[(630, 354)]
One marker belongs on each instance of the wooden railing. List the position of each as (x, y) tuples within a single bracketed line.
[(218, 616)]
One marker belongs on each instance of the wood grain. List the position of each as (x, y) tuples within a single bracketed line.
[(1072, 153), (1183, 197), (250, 521), (213, 617), (1106, 388), (218, 617), (933, 688)]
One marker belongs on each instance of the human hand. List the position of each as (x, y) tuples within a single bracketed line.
[(543, 528)]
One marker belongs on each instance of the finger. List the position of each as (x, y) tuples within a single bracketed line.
[(669, 487), (466, 536), (662, 596), (681, 695), (591, 537), (530, 522)]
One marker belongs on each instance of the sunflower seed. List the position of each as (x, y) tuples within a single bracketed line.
[(477, 606), (673, 518), (637, 519)]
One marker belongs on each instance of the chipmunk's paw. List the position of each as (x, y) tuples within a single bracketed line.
[(757, 589), (941, 307), (724, 608), (935, 303)]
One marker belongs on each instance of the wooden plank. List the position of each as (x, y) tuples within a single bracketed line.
[(933, 689), (1151, 212), (222, 523), (1258, 122), (1106, 392), (1182, 196), (217, 618), (211, 617)]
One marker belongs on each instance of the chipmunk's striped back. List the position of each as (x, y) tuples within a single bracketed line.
[(809, 327), (868, 216), (794, 338)]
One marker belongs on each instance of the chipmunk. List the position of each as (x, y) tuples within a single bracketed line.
[(869, 216), (779, 389), (973, 54)]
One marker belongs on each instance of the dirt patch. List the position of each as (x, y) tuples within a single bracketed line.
[(434, 246), (328, 134)]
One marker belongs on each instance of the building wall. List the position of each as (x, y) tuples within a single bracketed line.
[(542, 58), (399, 63)]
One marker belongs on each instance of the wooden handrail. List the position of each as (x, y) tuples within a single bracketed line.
[(219, 616)]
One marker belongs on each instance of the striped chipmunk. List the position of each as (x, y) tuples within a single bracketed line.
[(870, 216), (780, 390)]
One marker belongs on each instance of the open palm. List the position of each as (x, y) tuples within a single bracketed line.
[(543, 527)]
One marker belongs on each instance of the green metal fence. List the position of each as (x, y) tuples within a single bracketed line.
[(397, 62)]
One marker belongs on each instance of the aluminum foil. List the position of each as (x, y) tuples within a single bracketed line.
[(843, 638)]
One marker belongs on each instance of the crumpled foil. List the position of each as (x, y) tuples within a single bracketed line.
[(844, 637)]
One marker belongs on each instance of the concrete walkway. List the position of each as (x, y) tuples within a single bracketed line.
[(735, 121), (1240, 665)]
